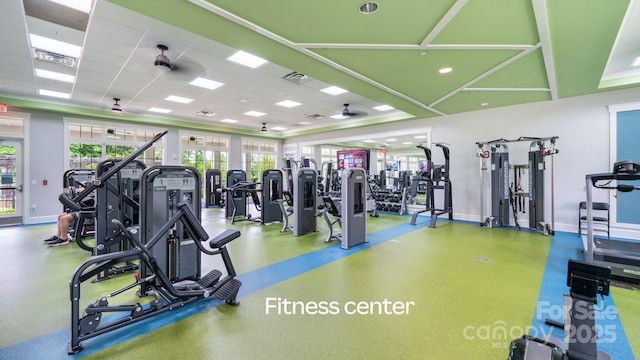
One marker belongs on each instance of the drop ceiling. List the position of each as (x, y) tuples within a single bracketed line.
[(501, 52)]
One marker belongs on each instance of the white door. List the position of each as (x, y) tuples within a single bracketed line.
[(10, 182)]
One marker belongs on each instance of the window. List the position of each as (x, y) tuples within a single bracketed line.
[(258, 156), (205, 152), (90, 143)]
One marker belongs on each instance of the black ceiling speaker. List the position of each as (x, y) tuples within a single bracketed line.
[(264, 127), (116, 106), (162, 62)]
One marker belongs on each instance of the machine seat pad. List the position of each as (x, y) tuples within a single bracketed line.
[(222, 239)]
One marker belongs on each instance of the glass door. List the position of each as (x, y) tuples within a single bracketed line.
[(10, 182)]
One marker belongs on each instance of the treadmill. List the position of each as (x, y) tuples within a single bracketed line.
[(622, 256)]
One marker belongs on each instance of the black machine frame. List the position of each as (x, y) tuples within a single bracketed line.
[(618, 254), (432, 177), (168, 292)]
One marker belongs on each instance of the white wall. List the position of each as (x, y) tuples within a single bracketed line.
[(582, 124)]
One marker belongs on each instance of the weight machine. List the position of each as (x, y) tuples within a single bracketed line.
[(213, 184), (305, 201), (433, 176), (168, 246), (506, 196), (119, 199), (350, 215), (265, 199)]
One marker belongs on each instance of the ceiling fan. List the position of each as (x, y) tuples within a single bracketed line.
[(189, 68), (117, 108), (348, 113)]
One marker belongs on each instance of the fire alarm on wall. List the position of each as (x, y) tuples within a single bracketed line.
[(3, 108)]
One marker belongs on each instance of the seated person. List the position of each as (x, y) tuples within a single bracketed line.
[(62, 235)]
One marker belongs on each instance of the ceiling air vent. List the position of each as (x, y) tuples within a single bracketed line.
[(315, 116), (55, 58), (296, 77)]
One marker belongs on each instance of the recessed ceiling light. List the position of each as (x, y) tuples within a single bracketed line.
[(229, 121), (246, 59), (54, 94), (159, 110), (420, 137), (368, 8), (392, 140), (55, 46), (80, 5), (338, 117), (334, 90), (445, 70), (46, 74), (368, 141), (278, 128), (305, 123), (178, 99), (407, 143), (206, 83), (255, 113), (288, 103), (384, 108), (637, 62)]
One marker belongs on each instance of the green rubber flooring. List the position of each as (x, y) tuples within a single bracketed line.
[(454, 292)]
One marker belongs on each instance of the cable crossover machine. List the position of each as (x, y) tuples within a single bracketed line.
[(506, 194)]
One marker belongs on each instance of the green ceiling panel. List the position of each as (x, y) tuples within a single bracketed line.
[(583, 34), (492, 22), (527, 72), (472, 100), (339, 21), (410, 73)]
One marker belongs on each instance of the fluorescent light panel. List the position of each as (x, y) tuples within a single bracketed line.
[(278, 128), (178, 99), (384, 108), (159, 110), (288, 103), (54, 94), (229, 121), (46, 74), (55, 46), (334, 90), (338, 116), (255, 113), (80, 5), (206, 83), (246, 59), (420, 137)]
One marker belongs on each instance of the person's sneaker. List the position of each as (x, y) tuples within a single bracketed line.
[(51, 239), (59, 242)]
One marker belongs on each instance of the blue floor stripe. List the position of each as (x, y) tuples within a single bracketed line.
[(53, 346), (565, 246)]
